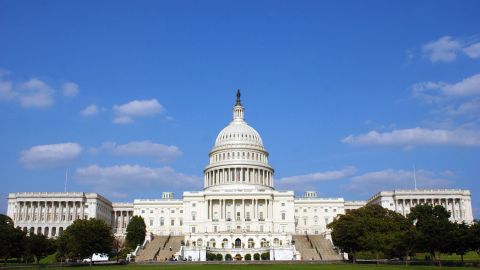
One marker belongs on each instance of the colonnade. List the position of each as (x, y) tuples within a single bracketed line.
[(120, 220), (248, 175), (453, 205), (49, 218), (240, 210), (49, 211)]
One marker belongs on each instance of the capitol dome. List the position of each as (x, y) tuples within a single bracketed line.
[(238, 158), (238, 132)]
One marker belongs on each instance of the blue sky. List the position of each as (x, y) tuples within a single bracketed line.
[(348, 96)]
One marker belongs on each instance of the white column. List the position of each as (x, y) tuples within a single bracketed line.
[(54, 206), (32, 209), (123, 221), (243, 202), (266, 204)]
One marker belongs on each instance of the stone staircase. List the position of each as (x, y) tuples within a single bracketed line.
[(149, 252), (306, 249), (174, 242), (325, 248)]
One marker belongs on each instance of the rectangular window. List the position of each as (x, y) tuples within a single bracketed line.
[(194, 215), (326, 220), (260, 216), (193, 229), (238, 216), (172, 222), (151, 222), (181, 222), (261, 228), (161, 221), (247, 216), (214, 228), (283, 216)]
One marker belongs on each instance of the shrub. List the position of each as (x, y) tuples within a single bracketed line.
[(265, 256), (256, 257), (228, 257), (248, 257), (211, 256), (219, 257)]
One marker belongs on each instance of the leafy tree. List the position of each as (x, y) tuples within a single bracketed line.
[(474, 233), (346, 232), (370, 228), (460, 240), (136, 231), (433, 226), (404, 243), (265, 256), (248, 257), (228, 257), (37, 246), (11, 239), (219, 257), (256, 256), (84, 238)]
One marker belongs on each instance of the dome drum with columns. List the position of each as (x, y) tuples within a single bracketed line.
[(238, 158)]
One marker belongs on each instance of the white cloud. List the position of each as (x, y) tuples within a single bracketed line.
[(160, 152), (49, 155), (444, 49), (90, 110), (70, 89), (137, 108), (439, 91), (35, 93), (146, 148), (122, 120), (468, 107), (6, 90), (390, 179), (123, 177), (312, 178), (417, 136), (473, 51)]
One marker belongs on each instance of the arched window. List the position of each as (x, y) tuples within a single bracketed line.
[(225, 243), (251, 243), (276, 242), (212, 243), (263, 242), (238, 243)]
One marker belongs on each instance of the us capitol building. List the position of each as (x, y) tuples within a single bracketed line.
[(238, 212)]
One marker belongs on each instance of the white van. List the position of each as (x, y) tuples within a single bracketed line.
[(97, 257)]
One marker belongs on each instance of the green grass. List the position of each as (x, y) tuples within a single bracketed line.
[(470, 256), (234, 266)]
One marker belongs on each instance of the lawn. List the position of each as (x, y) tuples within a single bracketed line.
[(234, 266)]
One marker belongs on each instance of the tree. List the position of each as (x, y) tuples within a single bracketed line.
[(136, 231), (265, 256), (84, 238), (404, 243), (248, 257), (460, 242), (370, 228), (11, 239), (36, 246), (433, 226), (256, 256), (474, 233), (219, 257), (228, 257)]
